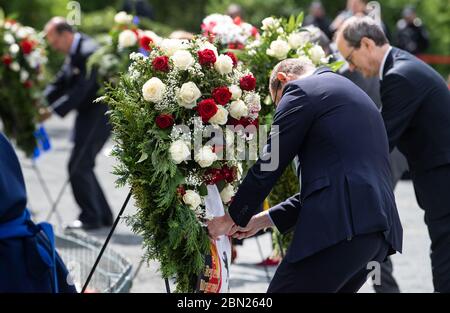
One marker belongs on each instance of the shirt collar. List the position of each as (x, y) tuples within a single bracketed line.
[(384, 62), (75, 42)]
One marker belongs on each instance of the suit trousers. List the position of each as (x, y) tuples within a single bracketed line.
[(342, 268), (433, 196), (89, 140)]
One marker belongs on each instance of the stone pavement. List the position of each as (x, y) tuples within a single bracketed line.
[(412, 269)]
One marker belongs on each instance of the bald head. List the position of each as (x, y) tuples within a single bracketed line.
[(285, 71), (59, 34)]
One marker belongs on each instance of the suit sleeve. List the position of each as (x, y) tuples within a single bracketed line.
[(291, 123), (75, 96), (400, 103), (56, 89), (285, 214)]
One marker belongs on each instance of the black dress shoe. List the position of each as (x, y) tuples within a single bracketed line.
[(77, 224)]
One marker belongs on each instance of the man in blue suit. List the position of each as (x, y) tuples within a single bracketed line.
[(416, 112), (345, 215), (75, 88), (28, 261)]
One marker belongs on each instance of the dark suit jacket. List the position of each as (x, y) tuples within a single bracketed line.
[(22, 269), (416, 111), (340, 140), (75, 89)]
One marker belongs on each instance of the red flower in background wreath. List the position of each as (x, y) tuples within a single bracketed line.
[(26, 46), (145, 42)]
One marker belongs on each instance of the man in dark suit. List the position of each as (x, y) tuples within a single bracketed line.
[(28, 261), (76, 89), (416, 113), (345, 216)]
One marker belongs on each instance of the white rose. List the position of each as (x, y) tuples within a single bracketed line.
[(123, 18), (127, 38), (170, 46), (316, 54), (210, 46), (205, 157), (153, 90), (236, 92), (279, 49), (156, 39), (9, 38), (305, 59), (24, 75), (15, 66), (192, 199), (188, 95), (227, 193), (221, 116), (182, 60), (268, 22), (238, 109), (179, 151), (224, 64), (24, 32), (297, 40), (14, 49)]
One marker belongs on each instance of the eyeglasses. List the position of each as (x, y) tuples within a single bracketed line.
[(276, 90), (349, 57)]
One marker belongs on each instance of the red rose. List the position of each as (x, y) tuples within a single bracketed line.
[(181, 191), (206, 109), (206, 57), (233, 58), (237, 20), (213, 176), (164, 120), (236, 46), (255, 32), (26, 46), (7, 59), (222, 95), (244, 122), (145, 43), (248, 83), (161, 64), (229, 174), (28, 84)]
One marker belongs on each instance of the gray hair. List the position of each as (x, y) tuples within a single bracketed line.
[(289, 66), (356, 28)]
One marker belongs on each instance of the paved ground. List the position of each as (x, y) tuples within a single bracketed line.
[(412, 269)]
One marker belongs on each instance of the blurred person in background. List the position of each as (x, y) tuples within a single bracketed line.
[(317, 17), (412, 35), (76, 89), (140, 8)]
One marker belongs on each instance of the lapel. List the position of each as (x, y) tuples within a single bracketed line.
[(389, 62), (74, 59)]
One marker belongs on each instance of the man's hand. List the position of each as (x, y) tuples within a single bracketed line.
[(44, 114), (256, 223), (219, 226)]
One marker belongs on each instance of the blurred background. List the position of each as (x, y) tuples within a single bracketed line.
[(165, 16)]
